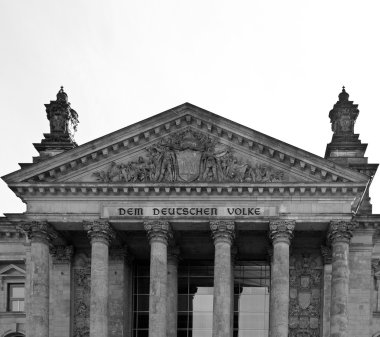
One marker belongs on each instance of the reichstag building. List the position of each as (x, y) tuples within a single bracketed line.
[(187, 224)]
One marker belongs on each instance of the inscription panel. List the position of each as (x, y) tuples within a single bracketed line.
[(130, 211)]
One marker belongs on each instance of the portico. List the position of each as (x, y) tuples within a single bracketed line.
[(188, 224)]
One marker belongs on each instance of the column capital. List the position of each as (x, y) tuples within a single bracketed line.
[(281, 230), (99, 231), (62, 254), (38, 231), (326, 254), (222, 231), (340, 231), (158, 230)]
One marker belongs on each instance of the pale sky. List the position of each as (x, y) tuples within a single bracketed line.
[(274, 66)]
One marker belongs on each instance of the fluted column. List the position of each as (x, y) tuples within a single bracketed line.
[(281, 233), (100, 234), (223, 234), (339, 234), (159, 232), (40, 235), (172, 295)]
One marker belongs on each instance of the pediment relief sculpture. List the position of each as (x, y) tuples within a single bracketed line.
[(189, 156)]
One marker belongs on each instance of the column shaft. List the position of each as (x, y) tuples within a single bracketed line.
[(222, 291), (340, 233), (279, 310), (158, 234), (158, 285), (339, 290), (99, 290), (281, 233), (223, 234), (100, 234)]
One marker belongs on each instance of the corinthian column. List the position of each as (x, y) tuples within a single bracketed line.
[(223, 233), (339, 234), (280, 232), (100, 234), (159, 233), (40, 235)]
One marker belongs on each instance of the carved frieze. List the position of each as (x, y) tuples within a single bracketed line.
[(188, 156), (305, 295)]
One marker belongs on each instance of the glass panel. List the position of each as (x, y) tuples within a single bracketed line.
[(143, 303), (18, 291), (15, 306), (22, 306), (183, 302), (251, 300), (253, 321), (143, 333), (182, 320), (142, 285), (202, 321), (143, 320), (202, 302), (202, 333), (183, 285)]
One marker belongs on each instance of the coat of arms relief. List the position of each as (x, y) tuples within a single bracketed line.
[(189, 156)]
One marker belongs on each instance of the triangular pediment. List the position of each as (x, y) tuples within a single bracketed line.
[(12, 270), (185, 145)]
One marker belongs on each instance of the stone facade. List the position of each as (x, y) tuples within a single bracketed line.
[(120, 233)]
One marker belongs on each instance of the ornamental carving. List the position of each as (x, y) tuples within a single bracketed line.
[(82, 290), (340, 231), (158, 230), (100, 231), (189, 156), (305, 295), (39, 231), (222, 230), (62, 254), (281, 230), (343, 115)]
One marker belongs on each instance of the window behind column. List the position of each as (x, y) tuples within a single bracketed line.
[(195, 299), (251, 299)]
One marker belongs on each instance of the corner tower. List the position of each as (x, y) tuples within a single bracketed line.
[(345, 148)]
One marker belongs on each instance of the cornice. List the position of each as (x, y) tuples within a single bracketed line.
[(173, 120), (23, 190)]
